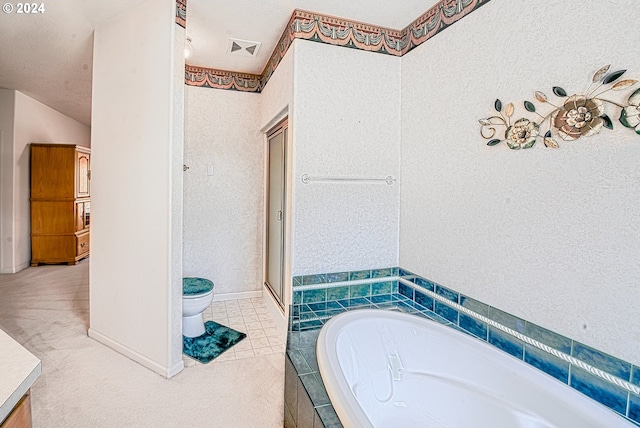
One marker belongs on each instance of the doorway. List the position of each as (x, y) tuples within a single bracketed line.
[(275, 201)]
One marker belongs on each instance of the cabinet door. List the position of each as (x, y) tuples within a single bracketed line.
[(83, 178), (87, 214), (80, 216)]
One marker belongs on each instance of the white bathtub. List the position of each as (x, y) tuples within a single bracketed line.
[(390, 369)]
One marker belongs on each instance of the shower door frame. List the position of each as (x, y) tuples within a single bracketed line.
[(281, 127)]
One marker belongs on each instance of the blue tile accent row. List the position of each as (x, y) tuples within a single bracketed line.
[(548, 337), (634, 408), (507, 320), (506, 342), (338, 277), (604, 392), (602, 361), (548, 363), (424, 300), (312, 308), (473, 326), (328, 278), (635, 376)]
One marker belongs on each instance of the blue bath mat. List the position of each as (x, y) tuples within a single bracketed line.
[(216, 339)]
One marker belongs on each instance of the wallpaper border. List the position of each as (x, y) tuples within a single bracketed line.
[(181, 13), (338, 32)]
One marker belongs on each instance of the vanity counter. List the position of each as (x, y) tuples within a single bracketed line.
[(19, 369)]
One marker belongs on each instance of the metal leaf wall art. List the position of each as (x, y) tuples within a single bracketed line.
[(578, 116)]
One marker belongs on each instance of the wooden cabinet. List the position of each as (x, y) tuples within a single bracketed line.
[(20, 416), (60, 203)]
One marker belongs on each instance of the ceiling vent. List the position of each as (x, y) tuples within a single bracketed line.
[(243, 47)]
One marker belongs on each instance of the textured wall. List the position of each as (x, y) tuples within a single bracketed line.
[(277, 96), (552, 236), (346, 123), (223, 213)]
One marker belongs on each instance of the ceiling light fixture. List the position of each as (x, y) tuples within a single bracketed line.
[(187, 47)]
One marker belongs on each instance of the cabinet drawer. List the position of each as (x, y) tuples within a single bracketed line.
[(82, 244)]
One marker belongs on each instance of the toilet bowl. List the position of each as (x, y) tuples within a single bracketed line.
[(197, 295)]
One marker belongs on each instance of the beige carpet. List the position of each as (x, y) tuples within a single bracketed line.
[(85, 384)]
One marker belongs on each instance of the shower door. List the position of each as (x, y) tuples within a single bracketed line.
[(276, 138)]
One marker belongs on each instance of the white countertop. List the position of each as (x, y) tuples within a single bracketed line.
[(19, 369)]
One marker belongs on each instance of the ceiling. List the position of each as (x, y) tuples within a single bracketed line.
[(48, 56)]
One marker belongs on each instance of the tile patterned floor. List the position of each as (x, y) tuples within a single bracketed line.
[(248, 316)]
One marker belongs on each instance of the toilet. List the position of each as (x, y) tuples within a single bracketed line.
[(197, 295)]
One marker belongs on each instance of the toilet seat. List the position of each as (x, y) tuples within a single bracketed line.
[(196, 287)]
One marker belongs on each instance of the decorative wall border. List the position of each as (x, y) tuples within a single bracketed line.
[(436, 19), (339, 32), (220, 79), (181, 13)]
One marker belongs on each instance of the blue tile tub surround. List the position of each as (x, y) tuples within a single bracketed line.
[(634, 408), (542, 335), (546, 362), (506, 342), (602, 391), (602, 361), (317, 298), (635, 376)]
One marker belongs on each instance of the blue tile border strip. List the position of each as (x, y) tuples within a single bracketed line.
[(601, 377), (603, 358)]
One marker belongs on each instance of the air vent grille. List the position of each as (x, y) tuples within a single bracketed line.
[(243, 47)]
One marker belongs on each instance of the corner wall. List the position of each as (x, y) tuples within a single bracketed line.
[(346, 124), (137, 137), (223, 212), (548, 235)]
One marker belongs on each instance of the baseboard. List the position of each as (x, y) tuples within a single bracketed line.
[(137, 357), (23, 266), (176, 368), (234, 296), (14, 269)]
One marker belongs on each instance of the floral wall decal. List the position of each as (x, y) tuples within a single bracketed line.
[(578, 116)]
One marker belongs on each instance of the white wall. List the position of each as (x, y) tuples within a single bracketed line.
[(7, 112), (33, 122), (548, 235), (224, 212), (137, 162), (346, 124)]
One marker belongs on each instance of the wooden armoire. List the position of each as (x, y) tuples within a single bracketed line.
[(60, 203)]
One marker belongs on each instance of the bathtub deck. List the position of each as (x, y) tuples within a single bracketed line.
[(306, 400)]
